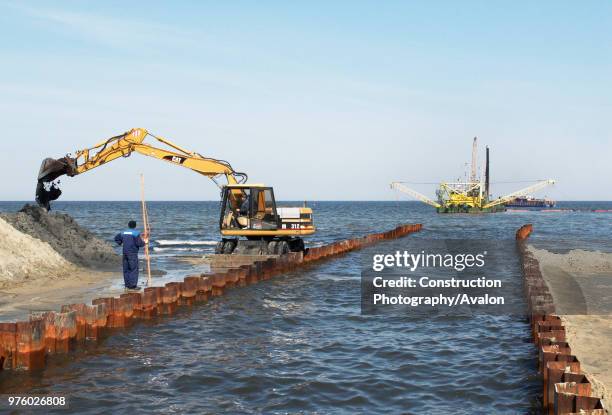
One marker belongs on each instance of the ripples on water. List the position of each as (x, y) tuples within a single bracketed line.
[(298, 343)]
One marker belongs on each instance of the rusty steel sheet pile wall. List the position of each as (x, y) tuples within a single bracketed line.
[(565, 389), (26, 345)]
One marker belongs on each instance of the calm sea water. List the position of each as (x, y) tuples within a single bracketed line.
[(298, 343)]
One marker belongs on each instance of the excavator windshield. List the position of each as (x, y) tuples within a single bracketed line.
[(249, 208)]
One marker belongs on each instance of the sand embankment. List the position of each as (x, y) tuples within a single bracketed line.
[(47, 260), (581, 285), (24, 258), (73, 242)]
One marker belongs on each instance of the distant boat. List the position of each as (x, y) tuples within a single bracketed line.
[(529, 202)]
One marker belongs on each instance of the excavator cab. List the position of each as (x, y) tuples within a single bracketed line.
[(250, 210)]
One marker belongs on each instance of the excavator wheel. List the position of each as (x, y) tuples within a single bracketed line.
[(282, 248), (272, 245), (219, 247), (229, 246)]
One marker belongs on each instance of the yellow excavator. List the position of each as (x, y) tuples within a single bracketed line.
[(250, 221)]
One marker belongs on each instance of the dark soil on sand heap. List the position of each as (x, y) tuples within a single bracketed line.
[(75, 243)]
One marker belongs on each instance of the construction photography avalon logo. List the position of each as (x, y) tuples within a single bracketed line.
[(306, 207)]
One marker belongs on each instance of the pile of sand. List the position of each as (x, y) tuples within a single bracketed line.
[(73, 242), (24, 258)]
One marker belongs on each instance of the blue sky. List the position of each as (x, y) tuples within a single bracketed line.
[(322, 100)]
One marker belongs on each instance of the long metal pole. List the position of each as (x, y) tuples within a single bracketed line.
[(145, 224)]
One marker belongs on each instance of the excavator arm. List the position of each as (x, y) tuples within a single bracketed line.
[(123, 146)]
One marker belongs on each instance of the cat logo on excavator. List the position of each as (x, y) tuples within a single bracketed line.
[(175, 159)]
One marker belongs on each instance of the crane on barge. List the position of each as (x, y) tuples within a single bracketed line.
[(471, 196)]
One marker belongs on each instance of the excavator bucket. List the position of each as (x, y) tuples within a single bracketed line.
[(51, 169)]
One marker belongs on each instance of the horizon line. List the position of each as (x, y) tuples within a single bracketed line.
[(286, 200)]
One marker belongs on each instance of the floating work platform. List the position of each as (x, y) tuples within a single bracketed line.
[(470, 209), (219, 262)]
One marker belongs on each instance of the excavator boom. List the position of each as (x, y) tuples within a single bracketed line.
[(123, 146)]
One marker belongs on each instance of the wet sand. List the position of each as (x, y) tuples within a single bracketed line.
[(19, 301), (581, 285), (78, 285)]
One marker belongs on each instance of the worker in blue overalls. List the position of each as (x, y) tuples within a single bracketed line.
[(131, 241)]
